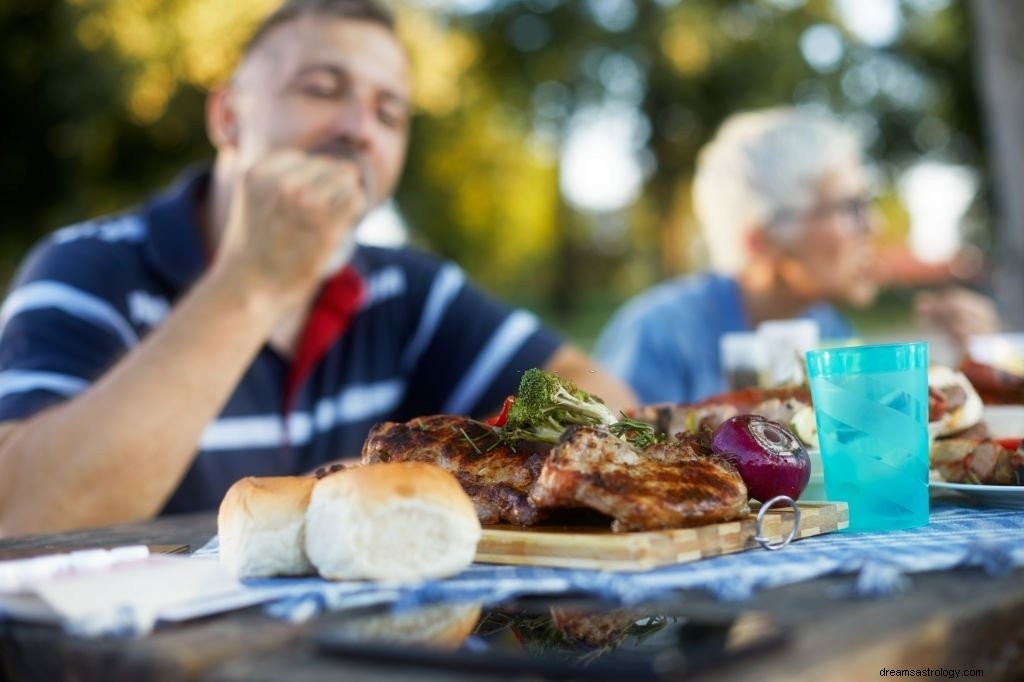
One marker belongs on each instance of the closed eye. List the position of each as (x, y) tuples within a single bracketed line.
[(320, 81), (393, 112)]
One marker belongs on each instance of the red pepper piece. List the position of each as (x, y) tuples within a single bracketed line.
[(1008, 443), (499, 419)]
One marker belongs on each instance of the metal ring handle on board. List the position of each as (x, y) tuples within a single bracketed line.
[(766, 542)]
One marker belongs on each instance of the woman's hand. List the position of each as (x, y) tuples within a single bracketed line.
[(957, 311)]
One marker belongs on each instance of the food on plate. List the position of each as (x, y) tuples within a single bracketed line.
[(790, 406), (771, 460), (496, 476), (797, 417), (261, 526), (953, 403), (746, 399), (401, 522), (995, 386), (984, 462), (666, 485)]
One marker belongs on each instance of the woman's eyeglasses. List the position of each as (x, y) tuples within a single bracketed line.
[(856, 208)]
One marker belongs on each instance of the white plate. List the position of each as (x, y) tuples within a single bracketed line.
[(1008, 496)]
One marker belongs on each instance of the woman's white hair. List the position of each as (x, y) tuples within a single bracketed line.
[(761, 166)]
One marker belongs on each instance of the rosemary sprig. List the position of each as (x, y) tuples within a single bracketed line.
[(471, 441), (479, 439), (637, 433)]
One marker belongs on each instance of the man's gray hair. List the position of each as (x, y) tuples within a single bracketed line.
[(760, 167), (362, 10)]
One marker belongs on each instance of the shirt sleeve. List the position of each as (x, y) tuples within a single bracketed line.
[(60, 329), (646, 354), (470, 349), (831, 324)]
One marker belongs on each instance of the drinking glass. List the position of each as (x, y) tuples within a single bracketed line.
[(871, 407)]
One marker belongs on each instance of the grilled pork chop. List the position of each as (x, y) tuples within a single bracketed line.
[(677, 485), (494, 476)]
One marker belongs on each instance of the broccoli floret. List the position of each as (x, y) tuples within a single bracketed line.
[(547, 405)]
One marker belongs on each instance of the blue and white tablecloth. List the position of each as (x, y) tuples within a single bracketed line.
[(957, 536)]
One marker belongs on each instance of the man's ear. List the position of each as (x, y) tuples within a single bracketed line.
[(221, 118)]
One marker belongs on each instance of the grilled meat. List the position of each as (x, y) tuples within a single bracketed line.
[(495, 477), (944, 399), (995, 386), (686, 446), (777, 404), (667, 489), (977, 433), (962, 460)]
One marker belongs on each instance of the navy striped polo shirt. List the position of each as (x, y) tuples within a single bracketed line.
[(421, 341)]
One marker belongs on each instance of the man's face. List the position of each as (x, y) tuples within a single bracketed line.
[(831, 256), (328, 85)]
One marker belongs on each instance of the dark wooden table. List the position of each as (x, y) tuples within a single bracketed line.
[(953, 620)]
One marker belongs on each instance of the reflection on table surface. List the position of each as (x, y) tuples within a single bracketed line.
[(564, 637)]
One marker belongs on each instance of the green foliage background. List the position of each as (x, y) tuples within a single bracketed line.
[(105, 104)]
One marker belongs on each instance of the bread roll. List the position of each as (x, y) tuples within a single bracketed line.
[(397, 521), (261, 524), (443, 626)]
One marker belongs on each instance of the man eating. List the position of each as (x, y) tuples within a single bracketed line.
[(229, 326)]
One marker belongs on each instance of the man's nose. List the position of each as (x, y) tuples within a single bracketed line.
[(355, 121)]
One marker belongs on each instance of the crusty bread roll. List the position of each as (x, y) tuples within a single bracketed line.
[(397, 521), (442, 627), (261, 524)]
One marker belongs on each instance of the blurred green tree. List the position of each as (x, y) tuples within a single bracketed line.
[(106, 105)]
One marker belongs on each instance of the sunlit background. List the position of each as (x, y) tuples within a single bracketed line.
[(553, 142)]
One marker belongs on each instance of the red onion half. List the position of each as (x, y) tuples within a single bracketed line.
[(770, 459)]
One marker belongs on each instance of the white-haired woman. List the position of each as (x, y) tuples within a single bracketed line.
[(783, 199)]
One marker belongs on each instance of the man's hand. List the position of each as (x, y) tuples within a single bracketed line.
[(957, 311), (73, 466), (289, 215)]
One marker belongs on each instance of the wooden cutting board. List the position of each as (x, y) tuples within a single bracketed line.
[(599, 548)]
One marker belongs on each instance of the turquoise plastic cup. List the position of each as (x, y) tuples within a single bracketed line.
[(871, 406)]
